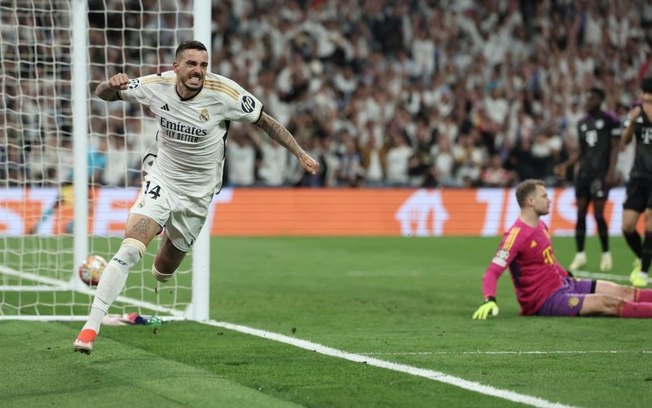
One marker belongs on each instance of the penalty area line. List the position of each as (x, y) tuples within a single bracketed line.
[(403, 368)]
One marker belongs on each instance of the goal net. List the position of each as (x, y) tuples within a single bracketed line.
[(38, 263)]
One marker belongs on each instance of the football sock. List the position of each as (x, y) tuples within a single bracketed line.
[(643, 295), (113, 280), (603, 232), (633, 239), (580, 232), (646, 259), (636, 310)]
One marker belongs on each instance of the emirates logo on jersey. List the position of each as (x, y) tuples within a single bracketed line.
[(203, 115)]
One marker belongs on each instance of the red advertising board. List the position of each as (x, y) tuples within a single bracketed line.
[(316, 212)]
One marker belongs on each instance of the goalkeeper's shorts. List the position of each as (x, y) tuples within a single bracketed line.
[(569, 299)]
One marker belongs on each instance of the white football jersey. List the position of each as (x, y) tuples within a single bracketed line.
[(192, 133)]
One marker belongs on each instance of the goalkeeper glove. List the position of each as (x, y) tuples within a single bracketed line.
[(489, 306)]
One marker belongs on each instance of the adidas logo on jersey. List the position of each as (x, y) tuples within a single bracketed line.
[(165, 107)]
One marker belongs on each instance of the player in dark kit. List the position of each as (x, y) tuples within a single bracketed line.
[(639, 186), (599, 134)]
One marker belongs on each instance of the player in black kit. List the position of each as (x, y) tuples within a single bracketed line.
[(639, 186), (598, 133)]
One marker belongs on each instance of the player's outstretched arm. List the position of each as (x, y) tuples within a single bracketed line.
[(489, 282), (108, 90), (278, 132)]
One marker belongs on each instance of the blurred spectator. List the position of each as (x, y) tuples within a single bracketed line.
[(274, 158), (114, 173), (469, 158), (97, 159), (444, 163), (39, 170), (15, 168), (420, 167), (240, 157), (397, 159), (322, 150), (521, 161), (495, 175), (373, 161), (64, 158), (350, 171)]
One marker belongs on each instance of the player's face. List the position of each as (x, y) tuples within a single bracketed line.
[(191, 67), (646, 98), (541, 201), (593, 102)]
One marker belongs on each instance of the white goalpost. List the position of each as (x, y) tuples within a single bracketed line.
[(70, 163)]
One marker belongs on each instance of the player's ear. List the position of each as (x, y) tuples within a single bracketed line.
[(530, 199), (175, 66)]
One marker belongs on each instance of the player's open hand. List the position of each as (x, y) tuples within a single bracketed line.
[(489, 307), (309, 164), (118, 81)]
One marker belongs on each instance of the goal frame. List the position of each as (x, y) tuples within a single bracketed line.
[(198, 308)]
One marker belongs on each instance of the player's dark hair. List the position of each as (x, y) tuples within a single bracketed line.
[(646, 85), (598, 92), (189, 45), (525, 188)]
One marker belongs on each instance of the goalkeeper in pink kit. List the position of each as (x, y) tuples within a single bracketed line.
[(543, 287)]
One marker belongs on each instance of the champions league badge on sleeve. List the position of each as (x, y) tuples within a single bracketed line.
[(501, 257), (133, 83), (247, 103)]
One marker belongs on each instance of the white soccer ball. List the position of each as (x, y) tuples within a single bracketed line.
[(91, 269)]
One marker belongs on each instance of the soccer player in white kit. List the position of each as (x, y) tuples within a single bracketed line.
[(193, 108)]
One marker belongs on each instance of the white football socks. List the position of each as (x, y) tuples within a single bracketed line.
[(113, 280)]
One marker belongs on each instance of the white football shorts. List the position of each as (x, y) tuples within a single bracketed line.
[(182, 216)]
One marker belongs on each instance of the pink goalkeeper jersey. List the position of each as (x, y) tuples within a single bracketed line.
[(535, 271)]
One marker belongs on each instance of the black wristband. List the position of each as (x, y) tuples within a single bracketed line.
[(490, 299)]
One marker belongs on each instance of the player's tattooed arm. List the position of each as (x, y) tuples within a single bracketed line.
[(278, 132)]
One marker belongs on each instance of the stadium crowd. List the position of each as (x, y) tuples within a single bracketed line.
[(413, 93)]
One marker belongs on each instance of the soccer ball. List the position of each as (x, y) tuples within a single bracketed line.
[(91, 269)]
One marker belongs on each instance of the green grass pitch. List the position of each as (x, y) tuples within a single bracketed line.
[(401, 300)]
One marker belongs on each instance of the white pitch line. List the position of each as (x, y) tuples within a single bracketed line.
[(425, 353), (607, 276), (419, 372)]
